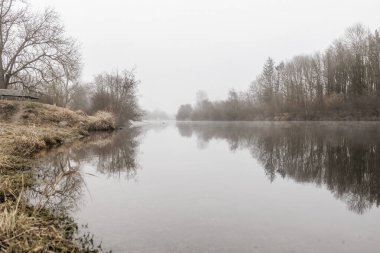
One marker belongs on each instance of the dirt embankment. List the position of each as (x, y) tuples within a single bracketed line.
[(27, 128)]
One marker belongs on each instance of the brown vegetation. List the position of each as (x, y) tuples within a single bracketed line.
[(26, 129), (117, 93), (101, 121), (33, 127)]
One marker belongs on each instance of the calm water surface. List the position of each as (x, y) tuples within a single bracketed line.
[(227, 187)]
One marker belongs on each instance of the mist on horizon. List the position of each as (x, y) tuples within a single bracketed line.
[(180, 47)]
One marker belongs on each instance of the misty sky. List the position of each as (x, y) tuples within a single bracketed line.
[(179, 47)]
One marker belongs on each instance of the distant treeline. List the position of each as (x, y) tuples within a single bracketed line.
[(341, 83)]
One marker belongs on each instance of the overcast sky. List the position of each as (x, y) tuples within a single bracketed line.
[(181, 46)]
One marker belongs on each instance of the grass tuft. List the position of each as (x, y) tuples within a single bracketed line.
[(102, 121)]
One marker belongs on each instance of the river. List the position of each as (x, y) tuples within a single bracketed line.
[(225, 187)]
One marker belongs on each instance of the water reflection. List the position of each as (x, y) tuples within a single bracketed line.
[(344, 157), (59, 183), (60, 173), (117, 155)]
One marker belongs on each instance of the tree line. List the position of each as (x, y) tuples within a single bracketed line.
[(37, 56), (343, 82)]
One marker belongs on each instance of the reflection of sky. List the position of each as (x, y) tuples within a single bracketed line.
[(186, 199)]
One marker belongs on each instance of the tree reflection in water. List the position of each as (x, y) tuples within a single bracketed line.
[(59, 173), (344, 157)]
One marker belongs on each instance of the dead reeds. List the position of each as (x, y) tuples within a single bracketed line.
[(27, 128), (102, 121)]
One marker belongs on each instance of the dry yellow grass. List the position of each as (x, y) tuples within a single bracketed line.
[(102, 120), (22, 232), (33, 127), (36, 114), (22, 229), (20, 143), (27, 128)]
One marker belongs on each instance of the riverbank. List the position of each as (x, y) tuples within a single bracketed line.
[(27, 128)]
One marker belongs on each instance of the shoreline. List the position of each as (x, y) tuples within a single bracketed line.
[(26, 130)]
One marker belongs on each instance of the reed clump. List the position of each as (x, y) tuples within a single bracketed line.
[(102, 121), (27, 145)]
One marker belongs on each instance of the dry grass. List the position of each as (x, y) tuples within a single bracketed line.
[(102, 121), (20, 143), (22, 232), (24, 228), (34, 228), (26, 129), (36, 114), (27, 145), (7, 110), (34, 127)]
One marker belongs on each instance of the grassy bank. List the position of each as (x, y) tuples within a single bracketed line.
[(27, 128)]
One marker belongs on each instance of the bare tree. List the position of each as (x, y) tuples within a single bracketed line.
[(63, 86), (341, 83), (117, 93), (34, 49)]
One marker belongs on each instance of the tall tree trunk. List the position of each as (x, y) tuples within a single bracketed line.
[(7, 80), (3, 83)]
